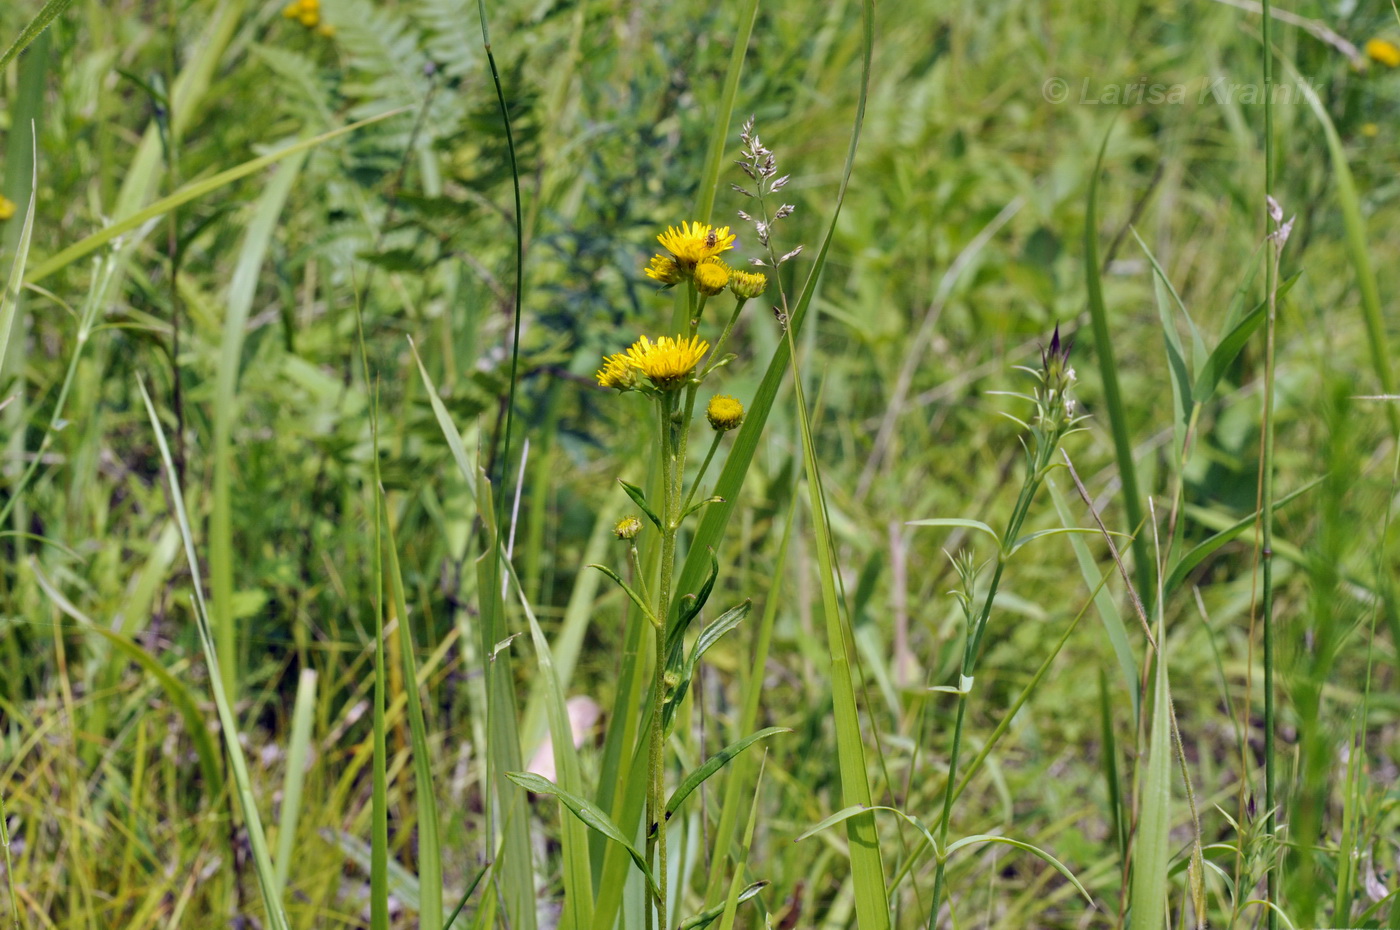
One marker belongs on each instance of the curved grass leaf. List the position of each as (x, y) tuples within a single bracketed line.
[(1022, 845), (705, 918), (713, 764), (593, 816), (958, 521)]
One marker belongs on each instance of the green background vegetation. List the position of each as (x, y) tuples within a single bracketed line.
[(960, 244)]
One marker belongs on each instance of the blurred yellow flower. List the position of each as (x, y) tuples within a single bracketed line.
[(692, 243), (308, 13), (667, 362), (664, 270), (618, 373), (711, 276), (1370, 130), (7, 208), (724, 413), (1383, 51)]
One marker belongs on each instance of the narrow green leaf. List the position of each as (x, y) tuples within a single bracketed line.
[(257, 839), (713, 764), (588, 812), (640, 499), (191, 191), (429, 845), (1056, 531), (705, 918), (1108, 373), (635, 597), (46, 15), (1034, 850), (9, 298), (959, 522), (1151, 849), (298, 751), (1201, 551)]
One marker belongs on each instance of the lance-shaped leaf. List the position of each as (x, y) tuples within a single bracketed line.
[(636, 598), (705, 918), (708, 637), (690, 608), (1019, 844), (592, 816), (713, 764), (640, 499)]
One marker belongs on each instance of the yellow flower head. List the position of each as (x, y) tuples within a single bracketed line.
[(711, 276), (7, 208), (1383, 51), (618, 372), (1370, 130), (668, 362), (724, 413), (664, 270), (306, 12), (747, 285), (627, 528), (692, 243)]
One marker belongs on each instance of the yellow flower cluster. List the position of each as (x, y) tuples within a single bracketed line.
[(308, 13), (667, 363), (1384, 52), (7, 208)]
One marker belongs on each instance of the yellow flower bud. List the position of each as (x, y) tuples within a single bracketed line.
[(7, 208), (747, 285), (711, 277), (628, 527), (724, 413), (308, 17)]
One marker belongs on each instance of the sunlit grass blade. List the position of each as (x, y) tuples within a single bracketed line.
[(740, 29), (257, 839), (731, 903), (10, 297), (298, 751), (578, 873), (429, 846), (192, 191), (1108, 373), (1148, 889), (46, 15), (239, 305)]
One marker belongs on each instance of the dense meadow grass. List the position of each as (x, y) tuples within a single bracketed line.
[(1048, 581)]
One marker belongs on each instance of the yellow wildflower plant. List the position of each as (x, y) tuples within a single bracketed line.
[(692, 243), (664, 270), (1384, 52), (724, 413), (711, 277), (7, 208), (668, 363)]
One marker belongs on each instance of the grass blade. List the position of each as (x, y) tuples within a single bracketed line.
[(295, 779), (1148, 890), (257, 839)]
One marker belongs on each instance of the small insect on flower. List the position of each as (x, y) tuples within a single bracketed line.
[(692, 243), (724, 413), (628, 527), (668, 363), (7, 208), (711, 276), (1383, 51)]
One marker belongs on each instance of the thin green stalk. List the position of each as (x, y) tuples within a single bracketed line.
[(700, 475), (724, 336), (1266, 492)]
